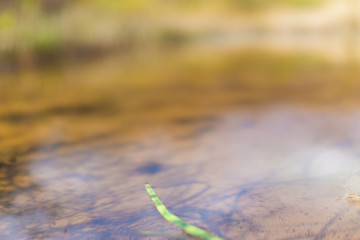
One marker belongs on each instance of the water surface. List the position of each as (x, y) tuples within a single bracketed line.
[(247, 144)]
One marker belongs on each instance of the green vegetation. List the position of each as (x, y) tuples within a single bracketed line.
[(190, 229), (34, 31), (141, 5), (7, 20), (263, 4)]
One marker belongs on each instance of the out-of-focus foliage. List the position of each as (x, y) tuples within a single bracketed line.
[(7, 20), (262, 4), (46, 31), (127, 5)]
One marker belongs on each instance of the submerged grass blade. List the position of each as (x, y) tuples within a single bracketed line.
[(190, 229)]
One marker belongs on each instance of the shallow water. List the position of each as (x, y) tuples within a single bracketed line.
[(248, 144), (270, 173)]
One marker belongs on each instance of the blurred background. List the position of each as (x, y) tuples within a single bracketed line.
[(133, 58), (98, 97)]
